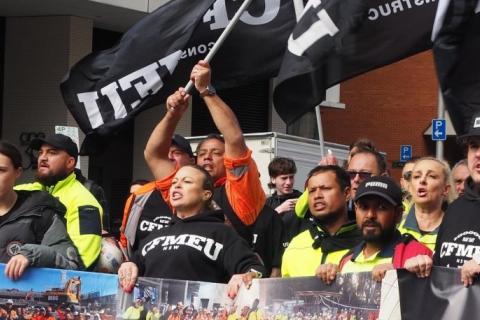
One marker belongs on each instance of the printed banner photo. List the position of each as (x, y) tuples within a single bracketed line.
[(62, 294), (66, 295), (354, 296)]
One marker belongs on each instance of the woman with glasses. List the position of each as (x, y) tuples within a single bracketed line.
[(430, 190)]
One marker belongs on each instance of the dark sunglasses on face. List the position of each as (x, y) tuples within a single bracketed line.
[(407, 175), (362, 174)]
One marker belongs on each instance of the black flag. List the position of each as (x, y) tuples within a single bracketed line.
[(356, 37), (457, 58), (107, 88), (441, 296), (254, 49)]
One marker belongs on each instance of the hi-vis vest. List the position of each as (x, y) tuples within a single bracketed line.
[(301, 259), (410, 225), (83, 216)]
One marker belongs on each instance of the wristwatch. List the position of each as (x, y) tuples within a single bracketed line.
[(476, 257), (208, 91), (256, 274)]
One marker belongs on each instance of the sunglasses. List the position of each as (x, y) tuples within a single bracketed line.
[(362, 174), (407, 175)]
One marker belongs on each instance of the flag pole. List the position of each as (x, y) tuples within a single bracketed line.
[(222, 38), (299, 8)]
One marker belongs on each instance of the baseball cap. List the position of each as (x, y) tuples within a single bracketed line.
[(59, 141), (183, 144), (380, 186), (473, 128), (10, 301)]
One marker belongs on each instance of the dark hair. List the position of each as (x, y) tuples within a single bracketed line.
[(341, 175), (211, 136), (207, 181), (379, 159), (11, 152), (279, 166), (363, 144)]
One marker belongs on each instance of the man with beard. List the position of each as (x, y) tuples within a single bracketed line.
[(57, 157), (330, 234), (378, 207)]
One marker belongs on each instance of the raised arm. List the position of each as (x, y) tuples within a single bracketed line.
[(158, 145), (223, 117)]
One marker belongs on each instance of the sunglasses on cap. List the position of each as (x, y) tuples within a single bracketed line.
[(362, 174)]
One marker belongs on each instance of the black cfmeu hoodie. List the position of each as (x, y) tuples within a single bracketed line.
[(459, 234), (198, 248)]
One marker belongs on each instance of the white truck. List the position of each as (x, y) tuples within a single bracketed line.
[(268, 145)]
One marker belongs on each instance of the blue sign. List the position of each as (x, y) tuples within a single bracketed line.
[(439, 130), (405, 152)]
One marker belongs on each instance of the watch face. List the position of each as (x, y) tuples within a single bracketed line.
[(211, 90)]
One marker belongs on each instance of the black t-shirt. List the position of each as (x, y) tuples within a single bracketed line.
[(199, 248), (269, 239), (459, 234), (275, 200), (156, 214)]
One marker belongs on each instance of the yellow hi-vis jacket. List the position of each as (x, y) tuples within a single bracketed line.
[(83, 216), (302, 256)]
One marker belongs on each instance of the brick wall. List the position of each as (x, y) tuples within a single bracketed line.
[(392, 106)]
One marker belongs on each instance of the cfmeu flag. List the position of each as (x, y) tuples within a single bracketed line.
[(335, 40), (252, 52), (456, 49), (108, 88)]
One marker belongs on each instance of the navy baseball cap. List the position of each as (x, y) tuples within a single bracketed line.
[(380, 186), (183, 144), (59, 141)]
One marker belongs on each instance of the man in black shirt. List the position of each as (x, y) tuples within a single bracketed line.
[(458, 240)]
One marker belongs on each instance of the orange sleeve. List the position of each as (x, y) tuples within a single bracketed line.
[(243, 188), (126, 213)]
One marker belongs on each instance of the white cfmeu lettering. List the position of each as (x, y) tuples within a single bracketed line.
[(394, 7), (146, 81), (150, 226), (210, 248), (458, 250)]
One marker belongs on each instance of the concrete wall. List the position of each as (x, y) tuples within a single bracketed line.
[(38, 53)]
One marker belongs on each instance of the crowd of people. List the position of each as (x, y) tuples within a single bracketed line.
[(53, 312), (206, 217)]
